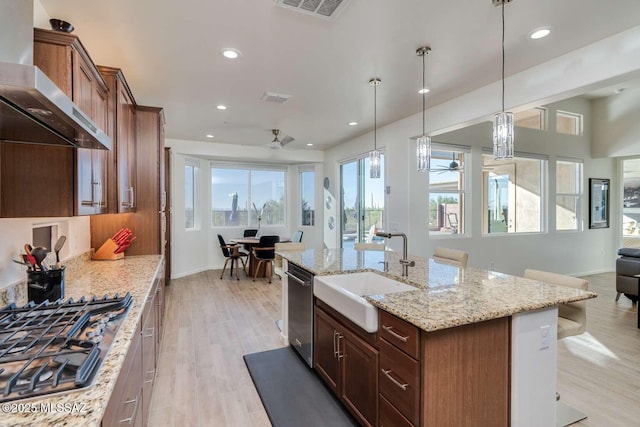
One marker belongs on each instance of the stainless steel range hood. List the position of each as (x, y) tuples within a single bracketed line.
[(34, 110)]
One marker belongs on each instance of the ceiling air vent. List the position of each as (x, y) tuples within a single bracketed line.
[(326, 9), (275, 97)]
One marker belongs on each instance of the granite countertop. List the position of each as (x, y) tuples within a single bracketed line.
[(86, 407), (446, 295)]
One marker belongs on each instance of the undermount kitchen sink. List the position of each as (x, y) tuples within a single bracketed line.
[(345, 293)]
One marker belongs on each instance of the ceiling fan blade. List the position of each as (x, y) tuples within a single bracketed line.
[(286, 140)]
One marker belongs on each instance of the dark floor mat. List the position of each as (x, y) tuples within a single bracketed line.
[(291, 393)]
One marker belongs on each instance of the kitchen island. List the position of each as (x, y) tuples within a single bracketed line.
[(459, 301), (86, 407)]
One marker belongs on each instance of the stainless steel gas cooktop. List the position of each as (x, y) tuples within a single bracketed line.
[(56, 347)]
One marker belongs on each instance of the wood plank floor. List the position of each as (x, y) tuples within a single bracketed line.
[(212, 323)]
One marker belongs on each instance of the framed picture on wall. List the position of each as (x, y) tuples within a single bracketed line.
[(599, 203)]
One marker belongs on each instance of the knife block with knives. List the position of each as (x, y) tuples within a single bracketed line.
[(114, 247)]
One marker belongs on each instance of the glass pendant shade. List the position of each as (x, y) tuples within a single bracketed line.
[(374, 164), (423, 153), (503, 136)]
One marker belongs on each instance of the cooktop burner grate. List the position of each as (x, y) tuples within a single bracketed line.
[(54, 347)]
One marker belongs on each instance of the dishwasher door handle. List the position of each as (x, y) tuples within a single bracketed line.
[(295, 278)]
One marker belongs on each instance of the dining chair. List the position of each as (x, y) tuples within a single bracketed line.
[(232, 254), (452, 256), (297, 238), (248, 232), (572, 320), (264, 253)]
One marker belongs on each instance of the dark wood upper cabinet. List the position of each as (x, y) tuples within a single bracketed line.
[(121, 128), (63, 58)]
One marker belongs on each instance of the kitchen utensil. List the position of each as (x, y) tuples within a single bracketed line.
[(58, 247), (21, 263), (40, 253), (31, 260)]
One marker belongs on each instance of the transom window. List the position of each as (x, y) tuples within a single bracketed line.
[(246, 195), (535, 118), (447, 189), (568, 123)]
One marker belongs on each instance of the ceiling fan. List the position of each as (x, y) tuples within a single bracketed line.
[(276, 143), (454, 166)]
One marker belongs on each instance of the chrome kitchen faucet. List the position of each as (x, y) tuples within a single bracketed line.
[(404, 262)]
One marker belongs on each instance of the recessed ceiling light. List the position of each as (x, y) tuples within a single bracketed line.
[(424, 90), (221, 107), (209, 135), (309, 145), (539, 33), (230, 53), (353, 123)]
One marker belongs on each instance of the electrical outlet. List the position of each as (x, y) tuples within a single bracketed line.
[(545, 332)]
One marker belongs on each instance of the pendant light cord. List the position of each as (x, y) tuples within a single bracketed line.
[(424, 87), (503, 55), (375, 115)]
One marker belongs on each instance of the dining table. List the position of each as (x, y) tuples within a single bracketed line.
[(253, 262)]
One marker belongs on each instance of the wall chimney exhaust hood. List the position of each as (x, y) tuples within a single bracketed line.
[(34, 110)]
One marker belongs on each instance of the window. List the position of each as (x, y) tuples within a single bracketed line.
[(513, 194), (247, 195), (568, 194), (190, 173), (362, 202), (568, 123), (534, 118), (307, 197), (631, 203), (446, 189)]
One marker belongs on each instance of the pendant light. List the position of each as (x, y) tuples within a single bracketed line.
[(423, 144), (374, 156), (502, 122)]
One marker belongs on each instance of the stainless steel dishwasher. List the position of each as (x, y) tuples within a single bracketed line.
[(300, 304)]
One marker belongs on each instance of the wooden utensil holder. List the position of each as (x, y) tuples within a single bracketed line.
[(106, 252)]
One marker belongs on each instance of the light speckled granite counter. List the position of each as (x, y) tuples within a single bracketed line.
[(133, 274), (446, 296)]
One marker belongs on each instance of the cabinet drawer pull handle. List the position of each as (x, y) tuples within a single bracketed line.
[(396, 335), (340, 355), (335, 351), (395, 381), (133, 414)]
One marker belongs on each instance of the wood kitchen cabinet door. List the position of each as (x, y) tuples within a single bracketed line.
[(63, 58), (359, 382), (325, 349), (121, 128)]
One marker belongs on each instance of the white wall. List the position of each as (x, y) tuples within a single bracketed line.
[(198, 250), (16, 232), (616, 128)]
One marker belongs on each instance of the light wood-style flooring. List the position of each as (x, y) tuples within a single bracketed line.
[(212, 323)]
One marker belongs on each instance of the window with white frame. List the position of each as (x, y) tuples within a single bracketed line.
[(247, 195), (514, 194), (568, 123), (568, 194), (447, 189), (190, 190), (534, 118), (307, 196)]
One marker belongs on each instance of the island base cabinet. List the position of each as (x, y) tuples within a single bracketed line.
[(348, 365), (466, 375)]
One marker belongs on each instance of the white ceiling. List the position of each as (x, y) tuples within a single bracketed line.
[(170, 54)]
